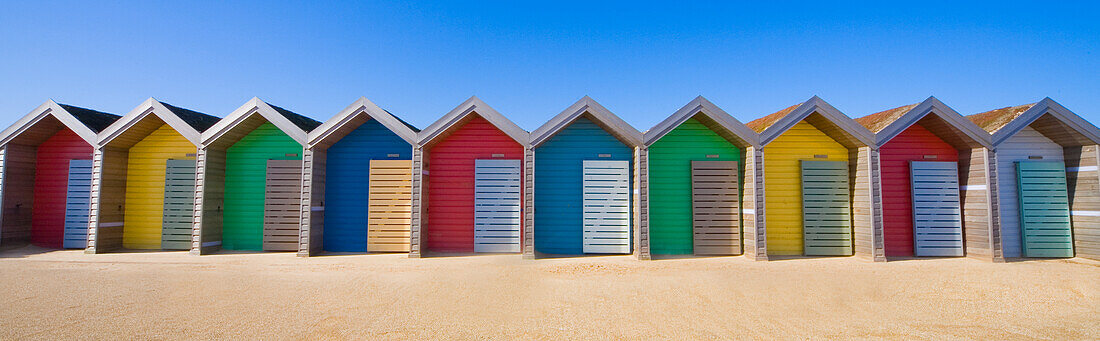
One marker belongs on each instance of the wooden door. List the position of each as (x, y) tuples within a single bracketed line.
[(282, 205), (497, 216), (937, 215), (179, 204), (1044, 209), (389, 206), (715, 208), (606, 206), (78, 204), (826, 209)]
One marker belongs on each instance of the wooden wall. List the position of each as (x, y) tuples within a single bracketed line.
[(419, 210), (641, 203), (1083, 182), (108, 199), (752, 206), (314, 162), (18, 194), (866, 204), (981, 239), (529, 203), (209, 198)]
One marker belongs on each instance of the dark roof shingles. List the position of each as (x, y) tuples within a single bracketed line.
[(195, 119), (94, 120), (305, 123)]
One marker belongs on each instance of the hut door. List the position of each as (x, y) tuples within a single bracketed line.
[(179, 204), (282, 205), (497, 203), (606, 206), (937, 216), (1044, 209), (715, 208), (390, 206), (78, 204), (826, 209)]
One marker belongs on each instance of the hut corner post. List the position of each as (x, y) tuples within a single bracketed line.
[(641, 203), (3, 166), (867, 204), (209, 197), (311, 233), (1083, 180), (528, 203), (108, 176), (196, 213), (755, 236), (981, 211), (416, 236)]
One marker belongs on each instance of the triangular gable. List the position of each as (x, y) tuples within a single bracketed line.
[(932, 105), (731, 129), (169, 114), (600, 115), (352, 116), (472, 105), (255, 106), (855, 134), (1065, 119), (62, 115)]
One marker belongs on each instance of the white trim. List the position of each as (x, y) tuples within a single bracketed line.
[(1085, 213), (748, 211), (973, 188), (1081, 169)]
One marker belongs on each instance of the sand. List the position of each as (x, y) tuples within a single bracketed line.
[(172, 295)]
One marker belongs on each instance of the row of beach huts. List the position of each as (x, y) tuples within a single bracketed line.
[(915, 181)]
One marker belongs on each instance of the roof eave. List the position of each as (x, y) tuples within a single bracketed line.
[(619, 127), (366, 107), (704, 106)]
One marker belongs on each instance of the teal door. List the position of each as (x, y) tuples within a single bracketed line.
[(1044, 209), (826, 209)]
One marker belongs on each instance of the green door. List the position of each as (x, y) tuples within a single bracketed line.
[(1044, 209), (179, 204), (826, 209)]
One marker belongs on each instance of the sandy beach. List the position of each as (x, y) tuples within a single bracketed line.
[(51, 294)]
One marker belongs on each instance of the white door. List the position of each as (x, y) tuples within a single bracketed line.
[(606, 206), (497, 204), (937, 216)]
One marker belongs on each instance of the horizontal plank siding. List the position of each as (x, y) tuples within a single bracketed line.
[(1027, 144), (915, 143), (1044, 209), (179, 204), (558, 177), (348, 176), (390, 206), (937, 211), (78, 203), (282, 205), (715, 206), (826, 208), (1083, 184), (50, 181), (670, 204), (497, 205), (245, 184), (145, 181), (606, 205)]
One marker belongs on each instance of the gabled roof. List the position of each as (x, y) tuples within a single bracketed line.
[(818, 113), (1047, 116), (86, 123), (945, 122), (290, 123), (357, 113), (588, 107), (473, 105), (714, 118), (188, 123)]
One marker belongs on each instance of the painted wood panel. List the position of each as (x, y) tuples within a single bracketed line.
[(715, 207), (78, 204), (18, 193), (1083, 184), (179, 204), (937, 213), (450, 182), (145, 170), (245, 184), (346, 214), (497, 193), (783, 183), (606, 205), (51, 177), (390, 206), (282, 205), (1027, 144), (558, 183), (670, 201), (915, 143), (1044, 209), (826, 208)]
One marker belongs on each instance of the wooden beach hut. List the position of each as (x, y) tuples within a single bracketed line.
[(695, 181), (144, 179), (583, 179), (46, 173), (933, 182), (468, 174), (817, 181), (253, 187), (1048, 188), (362, 182)]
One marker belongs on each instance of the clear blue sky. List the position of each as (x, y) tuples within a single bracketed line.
[(640, 60)]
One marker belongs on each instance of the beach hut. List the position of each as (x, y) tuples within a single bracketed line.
[(695, 181), (583, 179), (362, 182), (817, 182), (1048, 188), (933, 182), (468, 172), (144, 179), (254, 180), (45, 175)]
